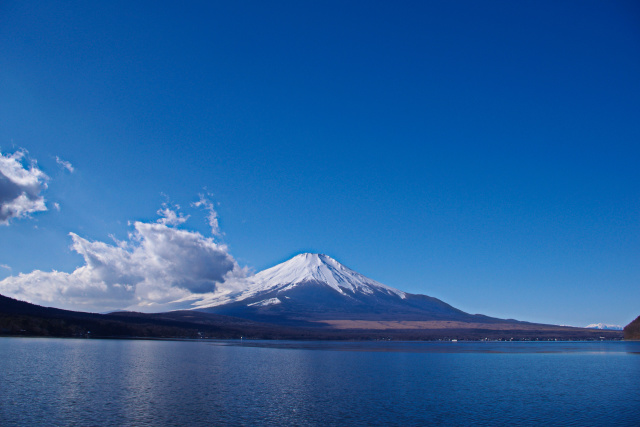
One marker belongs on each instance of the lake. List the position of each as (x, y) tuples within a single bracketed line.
[(136, 382)]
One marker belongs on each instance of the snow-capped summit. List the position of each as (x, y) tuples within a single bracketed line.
[(320, 268), (303, 269)]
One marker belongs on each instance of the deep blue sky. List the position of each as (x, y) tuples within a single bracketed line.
[(484, 153)]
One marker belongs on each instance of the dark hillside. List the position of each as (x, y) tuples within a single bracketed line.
[(632, 330), (24, 319)]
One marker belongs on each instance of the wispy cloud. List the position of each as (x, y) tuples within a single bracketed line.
[(158, 267), (5, 266), (212, 215), (21, 187), (171, 216), (64, 164)]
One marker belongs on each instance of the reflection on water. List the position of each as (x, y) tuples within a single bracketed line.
[(114, 382), (593, 347)]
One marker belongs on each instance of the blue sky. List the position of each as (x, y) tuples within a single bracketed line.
[(484, 153)]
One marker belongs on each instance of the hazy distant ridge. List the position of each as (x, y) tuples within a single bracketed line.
[(604, 326)]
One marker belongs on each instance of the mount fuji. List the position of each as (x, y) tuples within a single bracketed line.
[(310, 296), (317, 288)]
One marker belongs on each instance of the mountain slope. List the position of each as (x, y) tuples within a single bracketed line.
[(604, 326), (19, 318), (316, 288), (632, 330)]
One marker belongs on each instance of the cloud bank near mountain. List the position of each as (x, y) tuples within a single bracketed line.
[(158, 267)]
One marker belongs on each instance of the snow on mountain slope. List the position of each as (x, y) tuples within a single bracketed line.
[(303, 268), (312, 288), (604, 326), (320, 268)]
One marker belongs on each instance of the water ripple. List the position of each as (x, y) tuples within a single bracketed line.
[(164, 383)]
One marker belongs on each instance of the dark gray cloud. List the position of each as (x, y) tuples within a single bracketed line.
[(21, 187)]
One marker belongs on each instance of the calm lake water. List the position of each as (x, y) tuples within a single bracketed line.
[(122, 382)]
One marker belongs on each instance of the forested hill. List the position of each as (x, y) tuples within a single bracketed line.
[(19, 318), (632, 330)]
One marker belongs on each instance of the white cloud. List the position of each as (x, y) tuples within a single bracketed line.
[(56, 206), (5, 266), (158, 268), (212, 216), (170, 216), (64, 164), (20, 187)]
